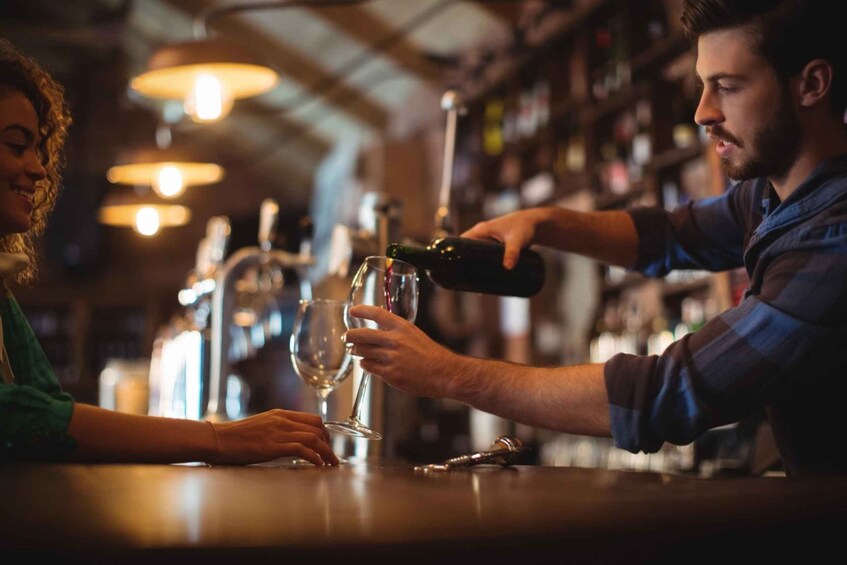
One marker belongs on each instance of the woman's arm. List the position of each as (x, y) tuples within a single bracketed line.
[(105, 435)]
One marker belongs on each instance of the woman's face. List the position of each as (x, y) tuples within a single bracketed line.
[(20, 165)]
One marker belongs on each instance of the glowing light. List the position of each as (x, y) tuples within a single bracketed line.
[(147, 221), (208, 100), (168, 183)]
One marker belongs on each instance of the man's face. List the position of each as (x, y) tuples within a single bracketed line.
[(745, 108), (20, 166)]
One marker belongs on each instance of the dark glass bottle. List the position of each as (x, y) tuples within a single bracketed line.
[(474, 265)]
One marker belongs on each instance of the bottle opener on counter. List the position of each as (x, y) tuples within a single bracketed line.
[(503, 452)]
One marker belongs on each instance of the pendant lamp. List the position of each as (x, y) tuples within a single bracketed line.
[(167, 170), (206, 74), (146, 216)]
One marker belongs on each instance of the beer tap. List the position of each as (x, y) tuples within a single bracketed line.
[(445, 222), (223, 301)]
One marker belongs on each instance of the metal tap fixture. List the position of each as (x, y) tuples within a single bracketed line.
[(504, 451), (263, 256), (451, 102), (179, 368)]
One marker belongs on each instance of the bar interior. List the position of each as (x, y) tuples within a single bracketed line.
[(197, 216)]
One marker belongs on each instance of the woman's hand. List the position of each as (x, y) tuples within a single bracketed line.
[(401, 354), (273, 434)]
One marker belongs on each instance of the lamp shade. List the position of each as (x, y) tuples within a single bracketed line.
[(207, 75), (146, 216), (168, 170)]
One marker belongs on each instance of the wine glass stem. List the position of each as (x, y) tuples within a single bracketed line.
[(322, 405), (360, 396)]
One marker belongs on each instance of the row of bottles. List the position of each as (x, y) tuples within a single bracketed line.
[(623, 327), (514, 117)]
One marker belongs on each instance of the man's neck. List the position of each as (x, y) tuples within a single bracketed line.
[(814, 151)]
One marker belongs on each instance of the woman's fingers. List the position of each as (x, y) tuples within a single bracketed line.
[(273, 434), (308, 444), (304, 422)]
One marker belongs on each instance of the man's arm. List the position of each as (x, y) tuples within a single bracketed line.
[(569, 399), (608, 236)]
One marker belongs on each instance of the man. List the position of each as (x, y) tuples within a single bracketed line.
[(773, 99)]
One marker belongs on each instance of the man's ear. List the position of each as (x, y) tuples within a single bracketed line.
[(814, 82)]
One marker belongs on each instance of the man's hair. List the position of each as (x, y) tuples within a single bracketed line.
[(19, 73), (787, 33)]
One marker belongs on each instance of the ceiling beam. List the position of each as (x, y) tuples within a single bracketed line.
[(369, 29), (295, 66), (509, 12), (287, 174)]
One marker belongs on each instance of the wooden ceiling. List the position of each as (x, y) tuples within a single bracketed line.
[(348, 72)]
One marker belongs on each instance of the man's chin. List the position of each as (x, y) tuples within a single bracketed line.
[(734, 172)]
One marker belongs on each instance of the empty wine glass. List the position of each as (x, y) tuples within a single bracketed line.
[(318, 353), (390, 284)]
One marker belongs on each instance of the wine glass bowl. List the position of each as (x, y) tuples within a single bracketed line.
[(390, 284), (318, 353)]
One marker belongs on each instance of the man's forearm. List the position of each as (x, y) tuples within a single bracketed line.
[(567, 399), (609, 236)]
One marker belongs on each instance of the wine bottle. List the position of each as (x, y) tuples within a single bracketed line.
[(474, 265)]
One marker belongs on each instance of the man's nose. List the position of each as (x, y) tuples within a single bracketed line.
[(707, 113)]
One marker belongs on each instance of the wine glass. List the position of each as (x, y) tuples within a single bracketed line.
[(390, 284), (318, 353)]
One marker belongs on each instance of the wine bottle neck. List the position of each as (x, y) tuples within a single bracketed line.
[(420, 257)]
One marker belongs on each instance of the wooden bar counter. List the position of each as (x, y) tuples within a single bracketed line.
[(374, 513)]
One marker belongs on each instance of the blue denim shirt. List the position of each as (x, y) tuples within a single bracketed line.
[(783, 348)]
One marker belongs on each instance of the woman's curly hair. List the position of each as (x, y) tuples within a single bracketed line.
[(19, 73)]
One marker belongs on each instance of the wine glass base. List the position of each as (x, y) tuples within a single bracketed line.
[(293, 462), (353, 428)]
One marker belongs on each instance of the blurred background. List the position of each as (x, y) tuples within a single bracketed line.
[(582, 103)]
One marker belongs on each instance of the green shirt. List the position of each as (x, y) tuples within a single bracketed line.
[(34, 412)]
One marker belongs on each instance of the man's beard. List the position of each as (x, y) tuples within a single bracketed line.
[(773, 147)]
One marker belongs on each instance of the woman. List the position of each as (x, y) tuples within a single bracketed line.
[(37, 420)]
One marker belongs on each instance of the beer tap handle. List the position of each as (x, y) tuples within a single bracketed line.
[(268, 219), (217, 232), (451, 103)]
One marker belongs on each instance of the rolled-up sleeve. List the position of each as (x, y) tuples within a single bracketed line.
[(741, 360), (704, 234), (725, 371), (34, 423)]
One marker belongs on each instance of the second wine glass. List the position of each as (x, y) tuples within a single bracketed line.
[(318, 353), (390, 284)]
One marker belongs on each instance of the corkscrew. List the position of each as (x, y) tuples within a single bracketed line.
[(504, 451)]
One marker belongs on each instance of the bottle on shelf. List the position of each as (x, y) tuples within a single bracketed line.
[(473, 265), (493, 141), (570, 155)]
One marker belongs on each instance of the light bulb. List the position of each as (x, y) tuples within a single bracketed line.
[(147, 221), (168, 182), (209, 101)]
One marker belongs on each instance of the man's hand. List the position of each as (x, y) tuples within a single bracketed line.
[(401, 354), (515, 230)]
